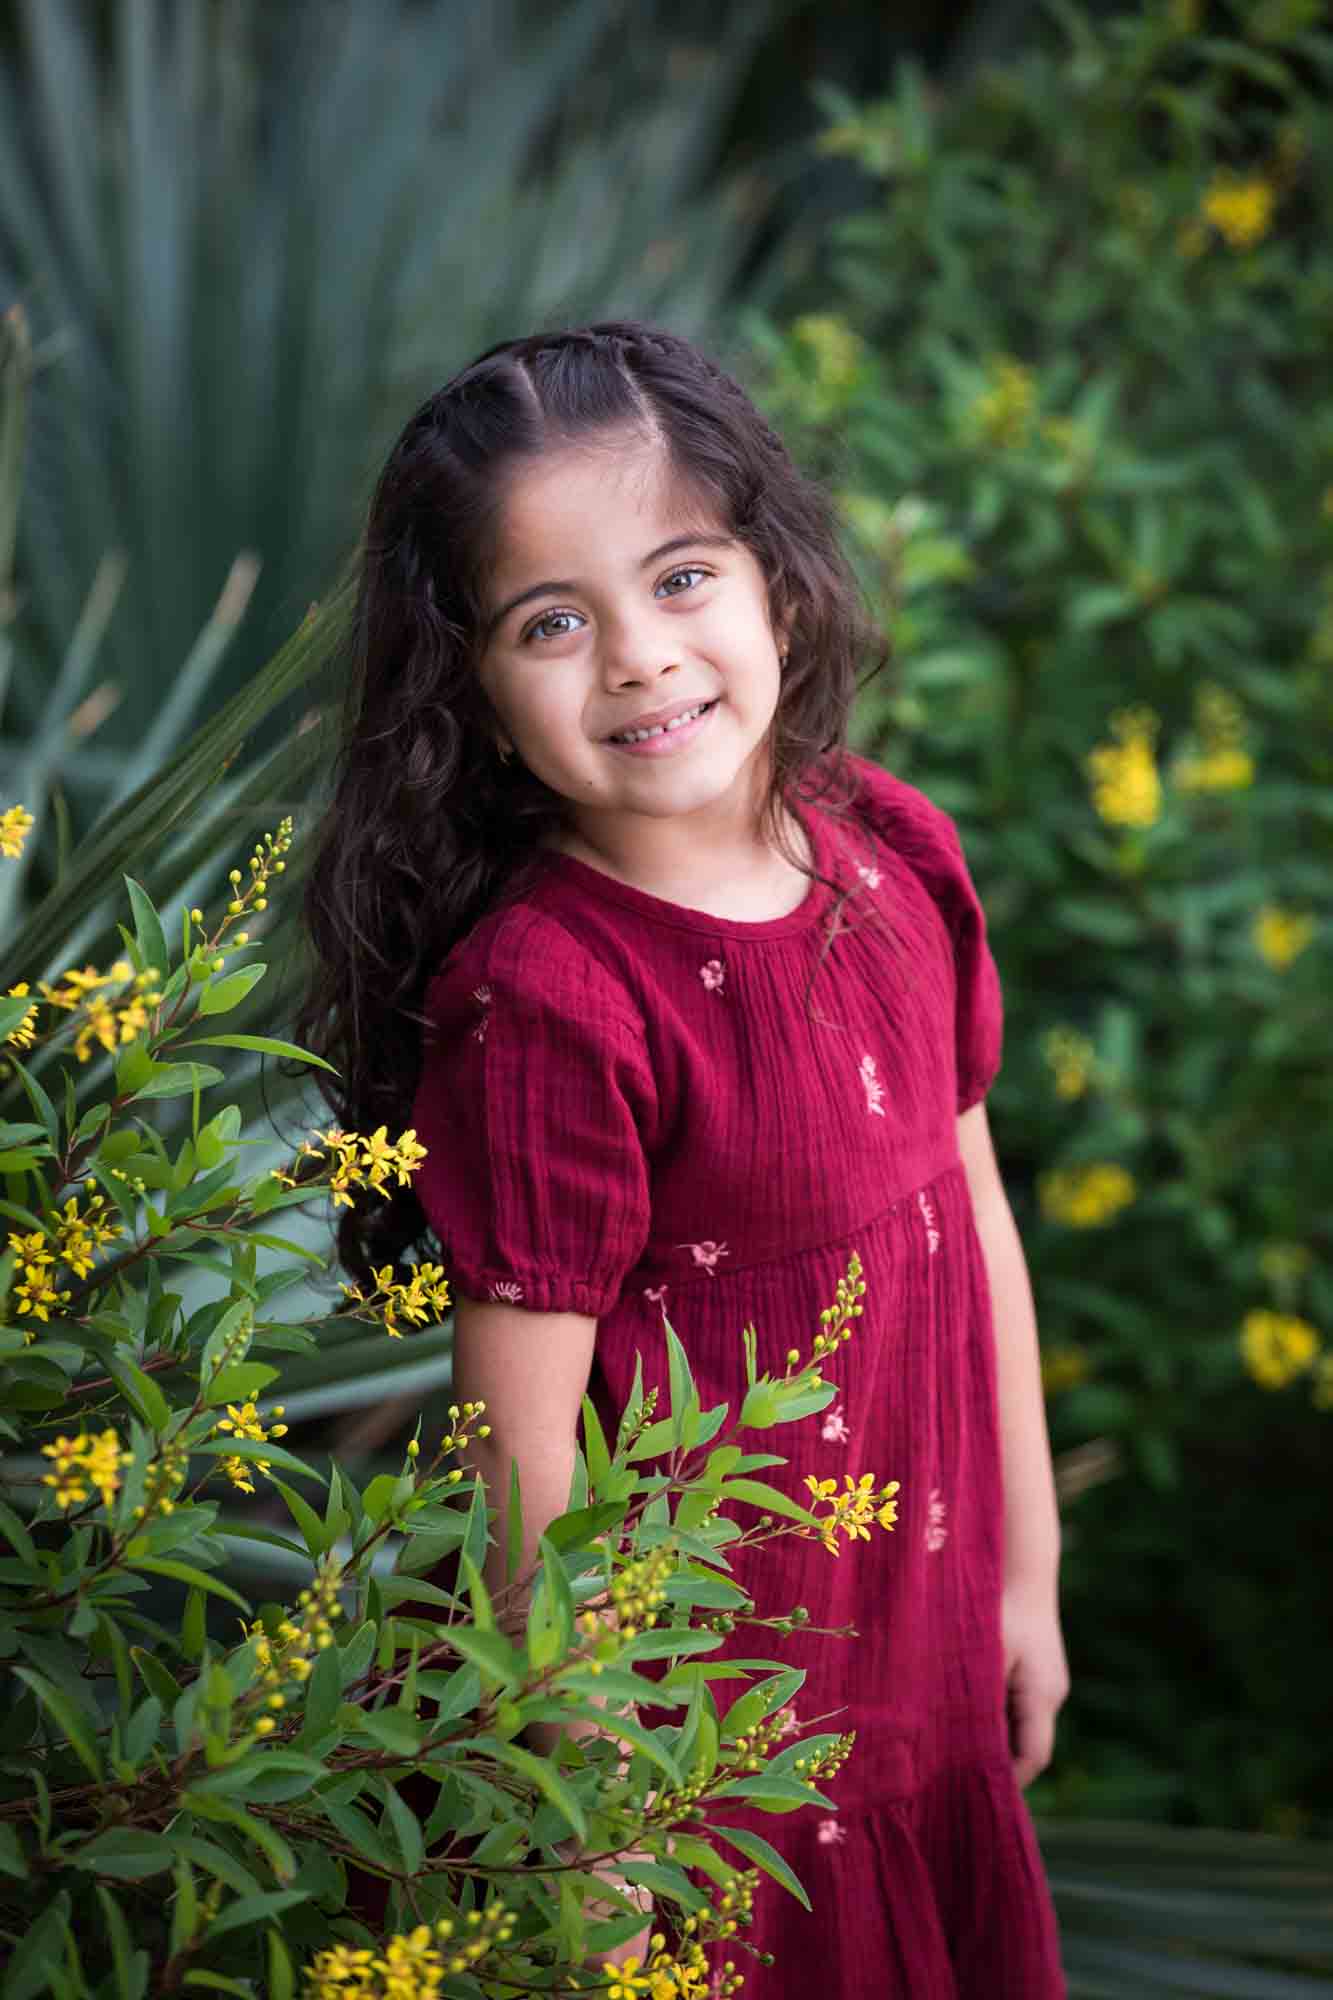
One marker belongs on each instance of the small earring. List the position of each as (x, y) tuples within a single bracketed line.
[(503, 755)]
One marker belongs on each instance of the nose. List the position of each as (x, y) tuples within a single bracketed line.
[(635, 649)]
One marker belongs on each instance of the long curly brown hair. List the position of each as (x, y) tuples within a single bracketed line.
[(426, 828)]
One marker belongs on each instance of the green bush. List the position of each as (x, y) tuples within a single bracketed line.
[(1069, 371), (179, 1807)]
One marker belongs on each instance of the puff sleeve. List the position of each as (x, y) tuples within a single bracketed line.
[(534, 1103), (928, 840)]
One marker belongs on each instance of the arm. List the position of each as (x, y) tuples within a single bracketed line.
[(1035, 1665), (531, 1370)]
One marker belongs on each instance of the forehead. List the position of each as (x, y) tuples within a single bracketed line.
[(598, 502)]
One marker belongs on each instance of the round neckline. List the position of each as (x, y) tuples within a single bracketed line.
[(682, 917)]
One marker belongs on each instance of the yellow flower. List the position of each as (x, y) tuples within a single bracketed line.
[(1085, 1197), (81, 1236), (83, 1461), (15, 826), (1281, 935), (1073, 1059), (1223, 765), (1003, 412), (854, 1509), (1062, 1368), (625, 1982), (1276, 1347), (1241, 210), (25, 1034), (1126, 788)]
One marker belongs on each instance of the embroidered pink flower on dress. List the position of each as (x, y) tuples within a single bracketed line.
[(830, 1834), (706, 1254), (937, 1533), (785, 1721), (834, 1429), (924, 1203), (874, 1089), (657, 1293), (870, 876), (483, 997), (712, 974), (507, 1291)]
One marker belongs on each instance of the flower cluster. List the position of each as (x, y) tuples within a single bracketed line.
[(83, 1462), (110, 1018), (15, 826), (1085, 1197), (683, 1973), (410, 1966), (353, 1161), (425, 1297), (1240, 209), (636, 1594), (1277, 1347), (81, 1232), (283, 1655), (854, 1509), (246, 1423), (834, 1319), (1003, 412), (33, 1289), (1281, 935), (1126, 787), (1222, 765), (1073, 1059), (266, 860)]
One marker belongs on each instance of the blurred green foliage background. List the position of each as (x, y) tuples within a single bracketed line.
[(1047, 295)]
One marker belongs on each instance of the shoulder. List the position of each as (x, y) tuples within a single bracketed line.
[(526, 955), (910, 824)]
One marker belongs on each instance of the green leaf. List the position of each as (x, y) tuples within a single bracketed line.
[(43, 1109), (407, 1831), (186, 1573), (179, 1079), (575, 1530), (128, 1853), (264, 1044), (514, 1529), (12, 1861), (254, 1829), (544, 1775), (490, 1651), (148, 932), (318, 1538), (73, 1725), (139, 1390), (131, 1966), (758, 1494), (253, 1910), (239, 1382), (221, 995), (755, 1848)]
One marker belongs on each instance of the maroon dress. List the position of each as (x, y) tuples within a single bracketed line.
[(631, 1107)]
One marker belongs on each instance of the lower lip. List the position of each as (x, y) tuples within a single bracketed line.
[(669, 741)]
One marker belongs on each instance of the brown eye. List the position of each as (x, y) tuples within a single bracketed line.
[(689, 570), (547, 618)]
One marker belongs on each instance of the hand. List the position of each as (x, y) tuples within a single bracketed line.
[(1036, 1676)]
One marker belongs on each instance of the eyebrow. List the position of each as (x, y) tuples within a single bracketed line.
[(561, 586)]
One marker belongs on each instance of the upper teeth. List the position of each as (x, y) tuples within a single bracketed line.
[(661, 728)]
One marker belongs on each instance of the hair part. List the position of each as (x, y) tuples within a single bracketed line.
[(426, 828)]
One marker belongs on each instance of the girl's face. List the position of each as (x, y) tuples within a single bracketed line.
[(613, 596)]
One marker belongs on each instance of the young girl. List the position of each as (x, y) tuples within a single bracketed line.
[(689, 1003)]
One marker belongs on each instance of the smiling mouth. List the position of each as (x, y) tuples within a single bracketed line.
[(665, 728)]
